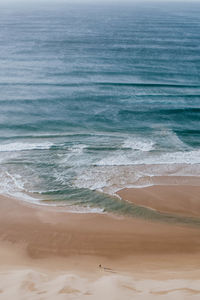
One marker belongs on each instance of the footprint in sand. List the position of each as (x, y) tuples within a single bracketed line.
[(88, 293), (188, 290), (29, 285), (130, 288), (69, 290)]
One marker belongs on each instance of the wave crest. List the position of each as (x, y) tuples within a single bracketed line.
[(24, 146)]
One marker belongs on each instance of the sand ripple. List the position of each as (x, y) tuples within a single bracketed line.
[(31, 284)]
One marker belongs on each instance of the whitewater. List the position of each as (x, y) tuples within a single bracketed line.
[(93, 99)]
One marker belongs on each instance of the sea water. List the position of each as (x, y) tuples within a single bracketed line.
[(97, 97)]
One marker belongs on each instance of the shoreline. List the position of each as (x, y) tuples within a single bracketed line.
[(104, 235), (180, 200), (47, 240)]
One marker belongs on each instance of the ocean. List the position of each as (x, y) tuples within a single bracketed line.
[(95, 98)]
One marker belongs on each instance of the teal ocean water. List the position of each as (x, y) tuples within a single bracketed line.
[(94, 98)]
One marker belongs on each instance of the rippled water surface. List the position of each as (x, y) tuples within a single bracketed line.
[(97, 97)]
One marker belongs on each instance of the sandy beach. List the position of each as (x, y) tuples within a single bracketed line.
[(48, 253), (99, 150), (173, 199)]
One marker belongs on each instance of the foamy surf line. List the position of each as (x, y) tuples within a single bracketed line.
[(179, 157), (74, 209), (20, 146), (96, 165), (107, 181), (13, 187), (110, 179)]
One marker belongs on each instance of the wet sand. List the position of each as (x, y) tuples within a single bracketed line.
[(48, 253), (174, 199)]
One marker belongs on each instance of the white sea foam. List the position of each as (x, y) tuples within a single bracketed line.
[(7, 156), (179, 157), (139, 144), (115, 160), (74, 157), (20, 146), (13, 185), (75, 209), (106, 171), (78, 149), (110, 179), (10, 183), (106, 179)]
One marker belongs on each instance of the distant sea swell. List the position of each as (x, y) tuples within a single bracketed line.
[(97, 98)]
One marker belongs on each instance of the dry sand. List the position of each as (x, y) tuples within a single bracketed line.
[(46, 253)]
